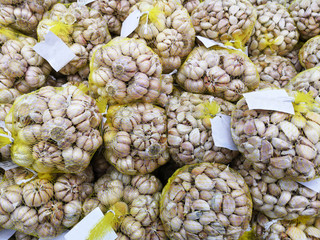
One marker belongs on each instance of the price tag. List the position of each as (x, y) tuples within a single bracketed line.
[(276, 100), (313, 184), (210, 43), (84, 2), (130, 23), (221, 132), (82, 229), (5, 234), (7, 165), (60, 237), (55, 51)]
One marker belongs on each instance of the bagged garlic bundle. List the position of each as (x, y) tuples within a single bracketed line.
[(274, 69), (299, 229), (309, 54), (54, 130), (190, 138), (307, 81), (134, 201), (278, 198), (190, 5), (224, 21), (42, 206), (115, 12), (79, 27), (21, 68), (166, 27), (204, 201), (222, 72), (23, 15), (135, 138), (275, 31), (277, 143), (306, 15), (6, 146), (125, 71), (22, 236), (293, 56)]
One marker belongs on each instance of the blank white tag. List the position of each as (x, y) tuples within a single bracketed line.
[(55, 51), (313, 185), (130, 23), (82, 229), (209, 43), (7, 165), (5, 234), (276, 100), (60, 237), (221, 131), (84, 2)]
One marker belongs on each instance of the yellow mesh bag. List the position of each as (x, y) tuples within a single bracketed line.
[(54, 130), (308, 54), (166, 26), (23, 15), (190, 204), (135, 138), (131, 204), (189, 128), (42, 205), (222, 72), (277, 143), (80, 28), (219, 21), (125, 71)]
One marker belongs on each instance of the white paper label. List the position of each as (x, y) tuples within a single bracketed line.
[(276, 100), (130, 23), (221, 131), (84, 2), (7, 165), (55, 51), (209, 43), (5, 234), (60, 237), (82, 229), (313, 185)]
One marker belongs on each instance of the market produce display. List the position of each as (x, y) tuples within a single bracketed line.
[(149, 119)]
